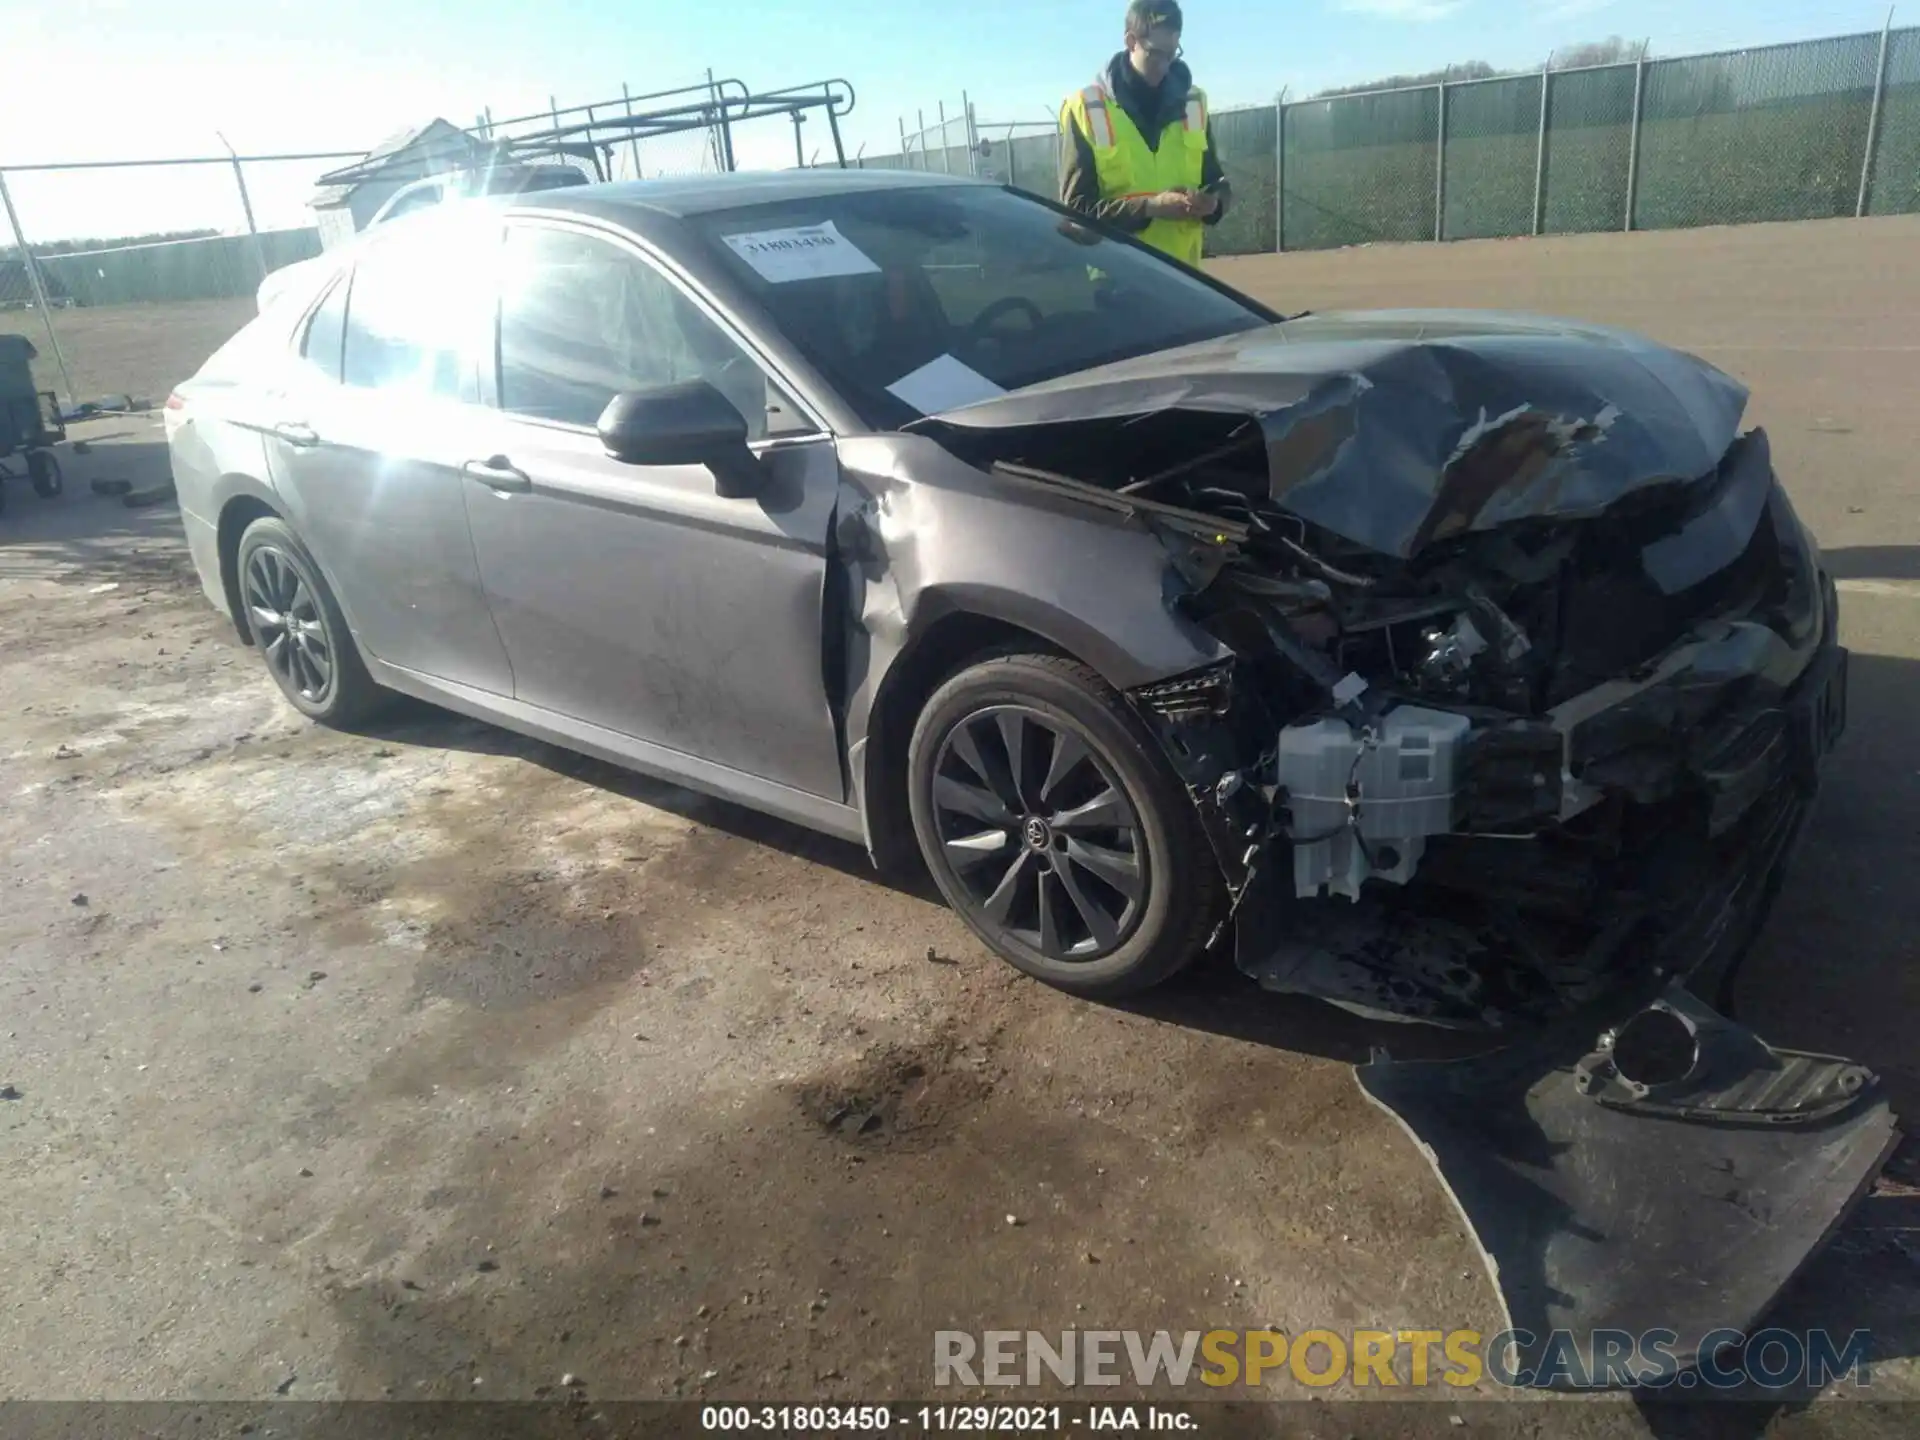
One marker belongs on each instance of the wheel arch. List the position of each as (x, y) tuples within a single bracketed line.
[(238, 512), (954, 638), (953, 626)]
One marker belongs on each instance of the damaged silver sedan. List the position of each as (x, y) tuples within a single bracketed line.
[(1469, 669)]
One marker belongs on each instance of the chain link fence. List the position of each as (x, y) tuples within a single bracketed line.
[(143, 268), (1773, 134), (1894, 184), (1491, 157), (125, 307), (1245, 141), (950, 145), (1809, 130), (133, 272), (1589, 152), (1359, 169), (1022, 153), (1026, 155)]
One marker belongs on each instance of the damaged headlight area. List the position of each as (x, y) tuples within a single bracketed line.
[(1493, 780), (1542, 780), (1532, 669)]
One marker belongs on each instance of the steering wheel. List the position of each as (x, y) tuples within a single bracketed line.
[(981, 324)]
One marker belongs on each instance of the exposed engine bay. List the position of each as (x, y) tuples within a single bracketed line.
[(1474, 753), (1532, 668)]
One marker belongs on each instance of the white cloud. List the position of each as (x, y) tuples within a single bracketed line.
[(1417, 10)]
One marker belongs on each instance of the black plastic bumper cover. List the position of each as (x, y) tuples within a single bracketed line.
[(1603, 1226)]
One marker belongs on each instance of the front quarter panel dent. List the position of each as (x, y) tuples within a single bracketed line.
[(924, 537)]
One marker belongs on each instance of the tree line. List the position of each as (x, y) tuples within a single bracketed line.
[(45, 249), (1611, 51)]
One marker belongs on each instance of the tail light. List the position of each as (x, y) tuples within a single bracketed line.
[(174, 402)]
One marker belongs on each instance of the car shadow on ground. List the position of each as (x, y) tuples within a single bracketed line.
[(1833, 972), (415, 722), (1852, 944)]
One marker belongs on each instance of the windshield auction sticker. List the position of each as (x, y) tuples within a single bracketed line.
[(943, 384), (805, 252)]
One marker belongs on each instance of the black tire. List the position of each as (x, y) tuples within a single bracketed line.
[(43, 471), (1100, 910), (297, 626)]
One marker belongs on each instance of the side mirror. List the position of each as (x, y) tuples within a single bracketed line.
[(686, 424)]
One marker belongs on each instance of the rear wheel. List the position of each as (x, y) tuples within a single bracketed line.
[(43, 472), (1054, 826), (297, 625)]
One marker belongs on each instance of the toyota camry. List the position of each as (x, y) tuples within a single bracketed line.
[(1467, 668)]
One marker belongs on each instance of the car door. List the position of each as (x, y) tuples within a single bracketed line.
[(635, 598), (366, 442)]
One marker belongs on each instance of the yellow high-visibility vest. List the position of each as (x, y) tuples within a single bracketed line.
[(1127, 167)]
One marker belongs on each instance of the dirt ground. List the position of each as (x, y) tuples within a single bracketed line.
[(138, 350), (438, 1063)]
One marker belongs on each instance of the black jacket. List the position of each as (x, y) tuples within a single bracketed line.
[(1152, 109)]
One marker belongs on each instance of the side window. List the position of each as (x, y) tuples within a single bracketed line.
[(326, 331), (582, 319), (417, 318)]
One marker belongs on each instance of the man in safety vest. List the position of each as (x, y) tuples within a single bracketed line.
[(1136, 147)]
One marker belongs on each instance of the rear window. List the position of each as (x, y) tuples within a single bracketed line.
[(419, 313), (326, 328), (257, 347), (915, 301), (547, 177)]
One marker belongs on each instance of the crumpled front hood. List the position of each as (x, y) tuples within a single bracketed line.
[(1398, 428)]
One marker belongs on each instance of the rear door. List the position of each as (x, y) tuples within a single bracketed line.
[(633, 597), (368, 442)]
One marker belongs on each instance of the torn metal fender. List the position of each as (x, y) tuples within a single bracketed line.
[(919, 535), (1631, 1202), (1394, 429)]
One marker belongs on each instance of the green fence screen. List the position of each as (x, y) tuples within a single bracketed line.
[(1777, 132), (1772, 134), (1895, 182), (1244, 139), (1360, 168), (1589, 136), (218, 267), (1493, 144)]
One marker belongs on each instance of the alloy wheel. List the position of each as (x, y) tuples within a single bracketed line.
[(287, 623), (1038, 833)]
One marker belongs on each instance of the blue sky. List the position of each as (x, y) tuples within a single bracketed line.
[(144, 79)]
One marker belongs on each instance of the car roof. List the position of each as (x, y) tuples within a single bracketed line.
[(687, 195)]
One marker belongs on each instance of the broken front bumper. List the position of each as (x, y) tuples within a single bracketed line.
[(1715, 756), (1640, 1201), (1634, 1222)]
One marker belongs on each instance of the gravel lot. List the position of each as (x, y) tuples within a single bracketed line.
[(437, 1063), (137, 350)]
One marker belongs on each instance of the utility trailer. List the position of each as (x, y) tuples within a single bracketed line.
[(30, 422)]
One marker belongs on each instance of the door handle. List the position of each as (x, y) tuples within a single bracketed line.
[(497, 473), (297, 433)]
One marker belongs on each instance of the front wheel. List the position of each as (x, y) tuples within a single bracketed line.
[(299, 630), (1057, 830)]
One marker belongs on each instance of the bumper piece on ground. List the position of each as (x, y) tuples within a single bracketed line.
[(1603, 1213)]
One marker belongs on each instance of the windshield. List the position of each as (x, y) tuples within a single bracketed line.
[(911, 302)]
